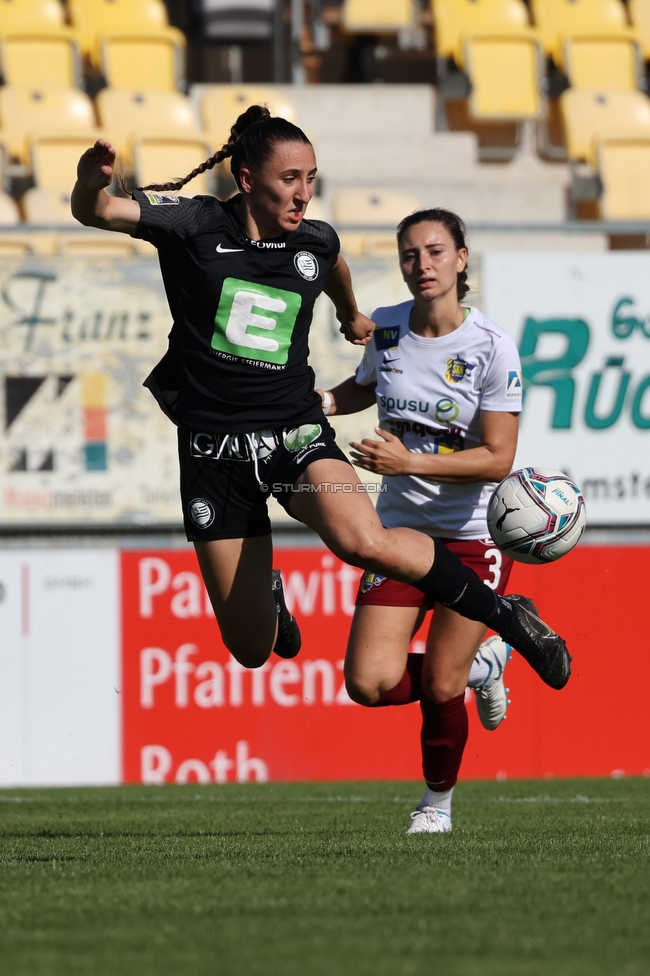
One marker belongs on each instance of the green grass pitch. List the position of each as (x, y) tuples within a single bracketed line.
[(547, 877)]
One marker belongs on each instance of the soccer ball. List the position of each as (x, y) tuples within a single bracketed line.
[(536, 515)]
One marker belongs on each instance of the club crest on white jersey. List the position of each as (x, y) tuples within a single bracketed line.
[(458, 369)]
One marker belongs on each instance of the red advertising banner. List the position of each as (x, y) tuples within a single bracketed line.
[(191, 713)]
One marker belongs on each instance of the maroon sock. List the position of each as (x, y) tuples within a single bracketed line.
[(409, 687), (443, 738)]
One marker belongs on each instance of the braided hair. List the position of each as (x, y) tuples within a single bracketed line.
[(252, 140), (454, 225)]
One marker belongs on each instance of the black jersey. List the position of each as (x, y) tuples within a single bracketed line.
[(237, 356)]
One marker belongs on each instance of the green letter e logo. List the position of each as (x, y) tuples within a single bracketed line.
[(241, 327)]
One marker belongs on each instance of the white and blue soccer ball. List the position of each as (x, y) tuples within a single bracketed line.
[(536, 515)]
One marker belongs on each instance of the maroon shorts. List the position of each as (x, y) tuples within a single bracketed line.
[(489, 563)]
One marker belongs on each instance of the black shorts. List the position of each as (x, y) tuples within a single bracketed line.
[(227, 478)]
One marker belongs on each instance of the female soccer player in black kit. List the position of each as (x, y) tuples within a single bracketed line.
[(241, 279)]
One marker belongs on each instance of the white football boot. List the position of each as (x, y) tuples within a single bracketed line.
[(492, 697), (429, 820)]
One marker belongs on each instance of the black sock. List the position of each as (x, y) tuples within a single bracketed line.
[(456, 586)]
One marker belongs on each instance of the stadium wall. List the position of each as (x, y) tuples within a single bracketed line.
[(112, 670)]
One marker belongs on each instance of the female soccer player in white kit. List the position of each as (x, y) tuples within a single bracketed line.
[(241, 277), (447, 384)]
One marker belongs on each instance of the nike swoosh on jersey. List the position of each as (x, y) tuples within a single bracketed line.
[(227, 250)]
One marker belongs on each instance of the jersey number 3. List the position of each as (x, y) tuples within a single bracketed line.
[(495, 556), (255, 321)]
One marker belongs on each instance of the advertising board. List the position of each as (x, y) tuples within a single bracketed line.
[(59, 667), (112, 670), (81, 441), (582, 323), (192, 714)]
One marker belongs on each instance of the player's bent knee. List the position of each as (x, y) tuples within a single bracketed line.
[(363, 551), (362, 693), (439, 689)]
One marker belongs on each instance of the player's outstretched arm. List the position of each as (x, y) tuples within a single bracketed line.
[(90, 203), (348, 397), (490, 461), (356, 327)]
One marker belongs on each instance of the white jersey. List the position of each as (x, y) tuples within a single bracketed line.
[(430, 393)]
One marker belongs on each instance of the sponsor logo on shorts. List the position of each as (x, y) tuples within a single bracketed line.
[(306, 265), (458, 369), (160, 199), (233, 447), (305, 452), (263, 443), (371, 579), (513, 385), (201, 512), (298, 438)]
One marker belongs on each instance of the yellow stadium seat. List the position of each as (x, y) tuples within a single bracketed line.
[(139, 62), (165, 158), (26, 15), (624, 169), (317, 210), (92, 18), (145, 249), (639, 11), (54, 157), (37, 58), (24, 110), (556, 19), (506, 76), (222, 104), (377, 15), (20, 243), (126, 114), (587, 116), (9, 213), (353, 242), (453, 19), (15, 246), (372, 208), (378, 245), (98, 243), (371, 243), (602, 63), (48, 207)]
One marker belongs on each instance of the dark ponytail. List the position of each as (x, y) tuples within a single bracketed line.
[(454, 225), (252, 140)]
